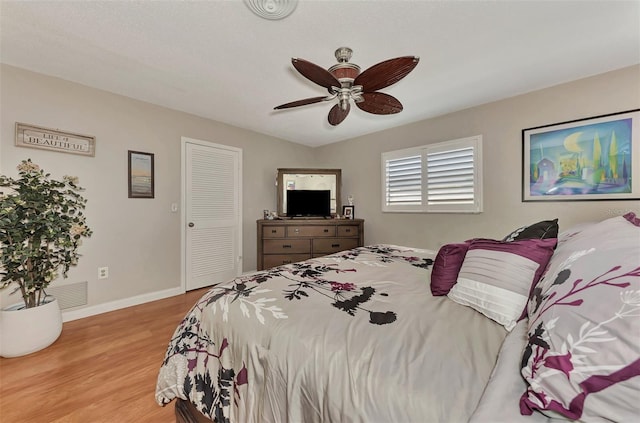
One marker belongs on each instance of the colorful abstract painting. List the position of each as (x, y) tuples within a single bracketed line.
[(588, 159)]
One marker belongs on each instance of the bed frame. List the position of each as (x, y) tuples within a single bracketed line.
[(187, 413)]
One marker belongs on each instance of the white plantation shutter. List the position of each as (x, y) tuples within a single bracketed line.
[(404, 181), (454, 181), (444, 177)]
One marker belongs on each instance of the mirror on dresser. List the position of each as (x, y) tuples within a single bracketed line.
[(309, 179)]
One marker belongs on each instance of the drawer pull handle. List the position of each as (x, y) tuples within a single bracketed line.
[(286, 245), (326, 230), (335, 245), (347, 230), (273, 231), (296, 230)]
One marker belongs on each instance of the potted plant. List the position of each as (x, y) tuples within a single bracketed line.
[(41, 227)]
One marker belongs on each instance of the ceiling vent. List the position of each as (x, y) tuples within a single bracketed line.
[(272, 9)]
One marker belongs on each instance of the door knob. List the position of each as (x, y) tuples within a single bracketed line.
[(191, 225)]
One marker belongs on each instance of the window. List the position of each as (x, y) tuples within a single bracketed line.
[(438, 178)]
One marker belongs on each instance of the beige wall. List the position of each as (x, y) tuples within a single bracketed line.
[(500, 123), (138, 239)]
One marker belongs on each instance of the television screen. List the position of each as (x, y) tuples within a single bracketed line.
[(304, 202)]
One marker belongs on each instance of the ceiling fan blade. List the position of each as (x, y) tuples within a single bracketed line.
[(380, 104), (337, 114), (301, 102), (386, 73), (315, 73)]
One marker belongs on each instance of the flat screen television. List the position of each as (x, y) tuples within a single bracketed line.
[(308, 203)]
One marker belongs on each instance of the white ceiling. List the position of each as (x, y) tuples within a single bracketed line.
[(218, 60)]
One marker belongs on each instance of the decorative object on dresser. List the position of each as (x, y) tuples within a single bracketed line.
[(348, 212), (288, 241)]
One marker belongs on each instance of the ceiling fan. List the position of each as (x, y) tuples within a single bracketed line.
[(345, 82)]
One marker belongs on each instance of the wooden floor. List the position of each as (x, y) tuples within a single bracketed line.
[(102, 369)]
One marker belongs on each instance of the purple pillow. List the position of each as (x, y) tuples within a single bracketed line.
[(631, 217), (446, 267)]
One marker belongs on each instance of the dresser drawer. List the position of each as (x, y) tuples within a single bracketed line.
[(273, 231), (348, 230), (273, 260), (288, 241), (310, 231), (333, 245), (286, 246)]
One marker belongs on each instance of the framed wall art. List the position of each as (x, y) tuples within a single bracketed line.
[(596, 158), (141, 175), (32, 136)]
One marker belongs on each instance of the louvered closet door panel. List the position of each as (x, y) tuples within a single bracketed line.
[(212, 208)]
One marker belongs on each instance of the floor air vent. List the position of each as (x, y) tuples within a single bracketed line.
[(72, 295)]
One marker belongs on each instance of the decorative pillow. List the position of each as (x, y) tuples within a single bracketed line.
[(541, 230), (631, 217), (567, 234), (582, 359), (496, 277), (446, 267)]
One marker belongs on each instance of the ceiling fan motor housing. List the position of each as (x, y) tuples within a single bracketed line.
[(344, 69), (345, 73)]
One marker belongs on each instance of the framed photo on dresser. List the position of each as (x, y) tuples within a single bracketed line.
[(348, 212)]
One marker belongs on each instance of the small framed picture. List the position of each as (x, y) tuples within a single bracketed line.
[(266, 214), (141, 184), (348, 212)]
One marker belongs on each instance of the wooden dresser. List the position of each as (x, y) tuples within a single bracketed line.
[(287, 241)]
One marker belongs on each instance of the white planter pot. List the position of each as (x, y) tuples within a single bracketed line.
[(27, 330)]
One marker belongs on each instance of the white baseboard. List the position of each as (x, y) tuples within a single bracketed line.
[(70, 315)]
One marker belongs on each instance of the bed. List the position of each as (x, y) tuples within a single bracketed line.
[(388, 333)]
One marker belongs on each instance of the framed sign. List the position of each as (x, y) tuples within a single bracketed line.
[(54, 140), (141, 183), (596, 158)]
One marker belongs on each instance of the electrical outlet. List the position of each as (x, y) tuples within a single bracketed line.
[(103, 272)]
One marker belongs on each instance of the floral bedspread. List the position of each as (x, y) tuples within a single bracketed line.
[(355, 336)]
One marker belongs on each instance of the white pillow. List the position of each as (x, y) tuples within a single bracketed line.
[(497, 277)]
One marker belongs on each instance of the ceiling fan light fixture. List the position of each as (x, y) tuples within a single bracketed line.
[(272, 9)]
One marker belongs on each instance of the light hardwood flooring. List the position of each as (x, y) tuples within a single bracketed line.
[(102, 369)]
